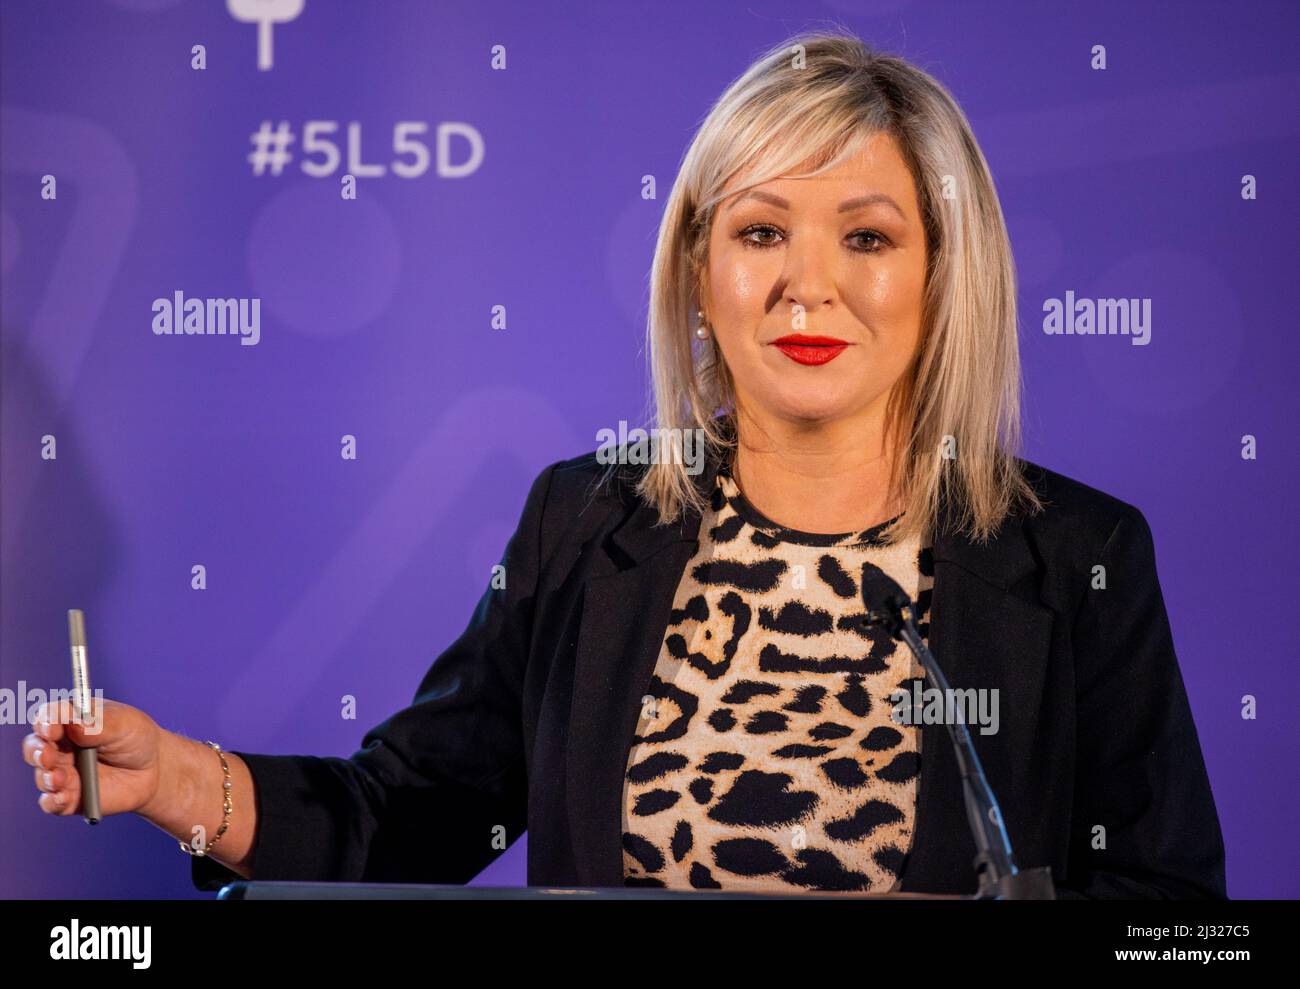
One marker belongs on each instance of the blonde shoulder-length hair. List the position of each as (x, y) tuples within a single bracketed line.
[(811, 101)]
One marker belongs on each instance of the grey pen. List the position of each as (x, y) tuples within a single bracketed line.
[(87, 759)]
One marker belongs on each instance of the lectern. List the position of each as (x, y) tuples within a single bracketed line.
[(244, 890)]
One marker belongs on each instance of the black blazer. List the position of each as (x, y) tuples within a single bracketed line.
[(526, 720)]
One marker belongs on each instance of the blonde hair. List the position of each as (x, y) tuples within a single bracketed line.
[(811, 101)]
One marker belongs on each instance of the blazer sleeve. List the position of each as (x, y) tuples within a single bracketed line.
[(1139, 771), (436, 791)]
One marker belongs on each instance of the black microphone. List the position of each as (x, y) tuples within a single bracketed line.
[(889, 606)]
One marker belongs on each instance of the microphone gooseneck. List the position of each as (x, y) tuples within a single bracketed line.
[(890, 607)]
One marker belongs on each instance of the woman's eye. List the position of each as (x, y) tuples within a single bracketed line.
[(876, 240), (762, 235), (748, 233)]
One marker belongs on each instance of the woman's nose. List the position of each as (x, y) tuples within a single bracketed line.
[(809, 274)]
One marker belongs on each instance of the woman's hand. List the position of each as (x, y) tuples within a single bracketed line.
[(129, 745), (171, 781)]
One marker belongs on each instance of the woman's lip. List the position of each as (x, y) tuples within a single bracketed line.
[(803, 339), (810, 350), (803, 354)]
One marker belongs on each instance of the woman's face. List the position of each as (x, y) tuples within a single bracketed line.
[(814, 287)]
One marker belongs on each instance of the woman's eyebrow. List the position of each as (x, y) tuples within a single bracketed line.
[(876, 197), (845, 207)]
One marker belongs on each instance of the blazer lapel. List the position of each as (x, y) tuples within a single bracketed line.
[(982, 632), (615, 661)]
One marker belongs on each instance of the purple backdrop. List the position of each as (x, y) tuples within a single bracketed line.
[(328, 576)]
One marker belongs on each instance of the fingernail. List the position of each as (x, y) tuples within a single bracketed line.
[(56, 799), (49, 780), (36, 754)]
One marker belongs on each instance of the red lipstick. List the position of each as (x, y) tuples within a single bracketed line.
[(811, 350)]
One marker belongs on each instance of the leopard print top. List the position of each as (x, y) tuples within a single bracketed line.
[(765, 757)]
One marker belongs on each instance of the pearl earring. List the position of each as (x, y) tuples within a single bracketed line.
[(701, 331)]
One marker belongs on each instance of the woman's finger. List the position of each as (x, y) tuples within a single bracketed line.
[(63, 798), (49, 780), (39, 751)]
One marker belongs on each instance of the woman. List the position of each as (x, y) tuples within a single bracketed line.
[(676, 686)]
